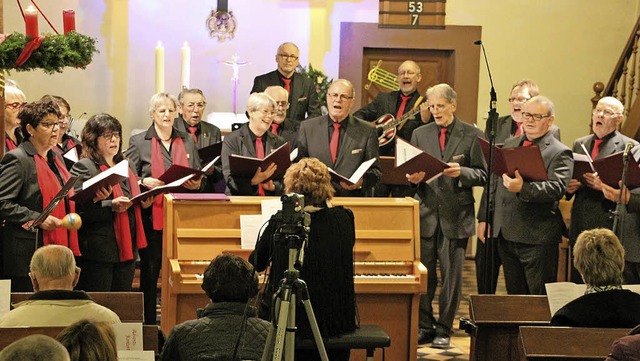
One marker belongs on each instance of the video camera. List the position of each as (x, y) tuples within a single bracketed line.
[(294, 229)]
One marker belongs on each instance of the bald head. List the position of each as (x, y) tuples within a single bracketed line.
[(35, 348), (53, 267)]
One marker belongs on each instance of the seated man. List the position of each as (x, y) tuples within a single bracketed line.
[(229, 282), (35, 348), (599, 257), (53, 274)]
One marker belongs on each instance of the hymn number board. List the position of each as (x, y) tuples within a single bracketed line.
[(412, 13)]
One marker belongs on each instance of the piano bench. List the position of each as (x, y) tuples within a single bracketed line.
[(367, 337)]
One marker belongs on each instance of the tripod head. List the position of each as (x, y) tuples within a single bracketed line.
[(293, 233)]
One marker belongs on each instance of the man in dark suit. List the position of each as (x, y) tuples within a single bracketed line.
[(191, 108), (286, 128), (447, 215), (250, 140), (341, 141), (488, 261), (590, 207), (527, 222), (398, 103), (303, 98)]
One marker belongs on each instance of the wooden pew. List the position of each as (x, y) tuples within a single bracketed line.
[(567, 343), (11, 334), (497, 319), (127, 305)]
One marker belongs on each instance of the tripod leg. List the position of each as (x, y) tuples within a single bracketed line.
[(314, 328), (282, 320), (267, 354), (290, 337)]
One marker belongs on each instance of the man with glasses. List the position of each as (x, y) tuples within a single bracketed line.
[(590, 207), (341, 141), (190, 120), (398, 103), (506, 127), (286, 128), (527, 223), (303, 99), (447, 214), (14, 101)]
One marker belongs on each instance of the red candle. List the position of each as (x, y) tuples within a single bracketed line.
[(31, 21), (69, 20)]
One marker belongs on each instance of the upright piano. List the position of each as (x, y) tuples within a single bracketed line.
[(389, 276)]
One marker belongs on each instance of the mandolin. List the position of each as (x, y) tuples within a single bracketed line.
[(386, 125)]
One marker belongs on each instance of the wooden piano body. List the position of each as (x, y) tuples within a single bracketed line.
[(387, 242)]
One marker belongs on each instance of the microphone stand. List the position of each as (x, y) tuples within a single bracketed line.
[(618, 222), (492, 123)]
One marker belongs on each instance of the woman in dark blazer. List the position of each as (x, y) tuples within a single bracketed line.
[(261, 109), (112, 229), (151, 153), (30, 177)]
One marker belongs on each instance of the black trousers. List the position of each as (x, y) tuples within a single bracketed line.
[(527, 267), (96, 276), (487, 266), (150, 263)]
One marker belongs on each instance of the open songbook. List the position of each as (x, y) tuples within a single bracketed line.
[(72, 155), (33, 224), (527, 160), (609, 169), (109, 177), (246, 167), (411, 159), (176, 172), (561, 293), (170, 187), (355, 177)]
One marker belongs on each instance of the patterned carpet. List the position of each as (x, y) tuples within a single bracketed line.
[(460, 341)]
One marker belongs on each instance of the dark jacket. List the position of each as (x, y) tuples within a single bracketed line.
[(626, 348), (606, 309), (303, 99), (214, 334)]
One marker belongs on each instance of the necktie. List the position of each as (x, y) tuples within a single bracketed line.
[(333, 144), (526, 143), (287, 84), (274, 128), (518, 129), (405, 100), (443, 138), (260, 155), (596, 148), (193, 130)]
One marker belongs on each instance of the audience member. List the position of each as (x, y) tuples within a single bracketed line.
[(599, 257), (253, 139), (447, 215), (227, 326), (626, 348), (150, 154), (527, 222), (331, 236), (35, 348), (303, 98), (341, 141), (89, 341), (55, 303)]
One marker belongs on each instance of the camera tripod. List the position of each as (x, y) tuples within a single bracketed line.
[(291, 289)]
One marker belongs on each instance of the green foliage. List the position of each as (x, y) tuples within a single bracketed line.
[(320, 79), (55, 52)]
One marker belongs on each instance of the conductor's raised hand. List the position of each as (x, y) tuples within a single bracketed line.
[(513, 185)]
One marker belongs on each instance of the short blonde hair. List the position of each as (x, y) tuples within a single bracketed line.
[(159, 98), (599, 257), (309, 177), (260, 101)]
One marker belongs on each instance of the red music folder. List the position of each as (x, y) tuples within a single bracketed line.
[(355, 177), (246, 167), (390, 174), (610, 169), (527, 160), (109, 177), (411, 159), (169, 187), (176, 172)]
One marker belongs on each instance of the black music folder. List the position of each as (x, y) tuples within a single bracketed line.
[(246, 167)]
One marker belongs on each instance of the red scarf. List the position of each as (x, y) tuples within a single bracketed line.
[(49, 187), (70, 143), (10, 144), (179, 157), (121, 224)]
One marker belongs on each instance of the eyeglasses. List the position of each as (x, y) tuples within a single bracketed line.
[(288, 57), (336, 96), (51, 125), (192, 106), (536, 117), (268, 113), (109, 136), (15, 105), (606, 112), (282, 104), (518, 100)]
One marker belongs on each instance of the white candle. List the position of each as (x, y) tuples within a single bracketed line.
[(159, 68), (185, 70)]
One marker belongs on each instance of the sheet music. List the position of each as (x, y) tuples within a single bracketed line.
[(249, 227), (210, 164), (405, 151), (355, 177), (293, 155), (561, 293), (129, 336), (5, 296), (136, 355), (122, 168), (269, 208)]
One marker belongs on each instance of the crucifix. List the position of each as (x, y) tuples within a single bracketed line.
[(235, 78)]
